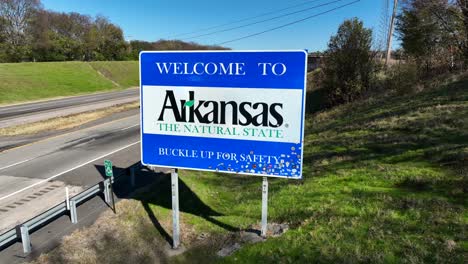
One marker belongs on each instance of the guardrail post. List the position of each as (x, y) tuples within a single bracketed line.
[(132, 176), (73, 214), (107, 191), (25, 239), (67, 197)]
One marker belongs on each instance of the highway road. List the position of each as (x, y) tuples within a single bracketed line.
[(33, 177), (32, 112)]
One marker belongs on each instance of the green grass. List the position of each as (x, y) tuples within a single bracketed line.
[(385, 181), (124, 73), (22, 82)]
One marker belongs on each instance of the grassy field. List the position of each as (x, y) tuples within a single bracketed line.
[(22, 82), (385, 181)]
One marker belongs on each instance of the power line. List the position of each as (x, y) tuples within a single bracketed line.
[(245, 19), (265, 20), (289, 24)]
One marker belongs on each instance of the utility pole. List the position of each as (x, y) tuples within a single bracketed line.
[(390, 33)]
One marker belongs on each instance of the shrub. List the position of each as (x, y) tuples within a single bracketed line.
[(315, 79), (349, 63), (403, 78)]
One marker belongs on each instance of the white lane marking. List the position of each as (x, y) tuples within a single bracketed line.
[(74, 168), (20, 162), (68, 133), (17, 163), (129, 127)]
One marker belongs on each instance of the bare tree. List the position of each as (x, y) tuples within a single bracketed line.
[(17, 14), (463, 4)]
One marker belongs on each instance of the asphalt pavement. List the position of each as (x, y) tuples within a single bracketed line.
[(33, 177), (49, 236), (32, 112)]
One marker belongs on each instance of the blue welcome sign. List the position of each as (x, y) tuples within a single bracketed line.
[(227, 111)]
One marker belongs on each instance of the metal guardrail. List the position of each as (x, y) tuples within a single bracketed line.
[(7, 237), (21, 232)]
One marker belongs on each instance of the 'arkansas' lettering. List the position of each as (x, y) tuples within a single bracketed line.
[(242, 113)]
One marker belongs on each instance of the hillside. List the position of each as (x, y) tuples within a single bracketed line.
[(40, 80), (385, 181), (123, 73)]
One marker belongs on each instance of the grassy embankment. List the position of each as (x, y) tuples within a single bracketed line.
[(20, 82), (385, 181)]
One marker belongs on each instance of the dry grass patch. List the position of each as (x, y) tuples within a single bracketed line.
[(126, 237), (66, 122), (135, 234)]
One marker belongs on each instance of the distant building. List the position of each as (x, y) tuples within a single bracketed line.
[(314, 61)]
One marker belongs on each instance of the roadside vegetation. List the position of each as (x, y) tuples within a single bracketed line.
[(42, 80), (124, 74), (66, 122), (385, 180), (385, 167), (30, 33)]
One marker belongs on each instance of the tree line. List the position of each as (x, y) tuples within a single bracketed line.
[(28, 32), (434, 41), (434, 34)]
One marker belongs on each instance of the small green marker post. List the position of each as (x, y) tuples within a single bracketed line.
[(108, 168), (110, 173)]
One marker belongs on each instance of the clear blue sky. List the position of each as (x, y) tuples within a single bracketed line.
[(162, 19)]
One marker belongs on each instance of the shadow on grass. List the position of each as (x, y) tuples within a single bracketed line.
[(161, 195), (156, 223), (189, 202)]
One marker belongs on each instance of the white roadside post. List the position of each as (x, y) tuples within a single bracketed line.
[(24, 230), (73, 213), (175, 208), (107, 198), (264, 206), (67, 198)]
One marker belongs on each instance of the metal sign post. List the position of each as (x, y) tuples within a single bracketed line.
[(264, 206), (235, 112), (175, 208)]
